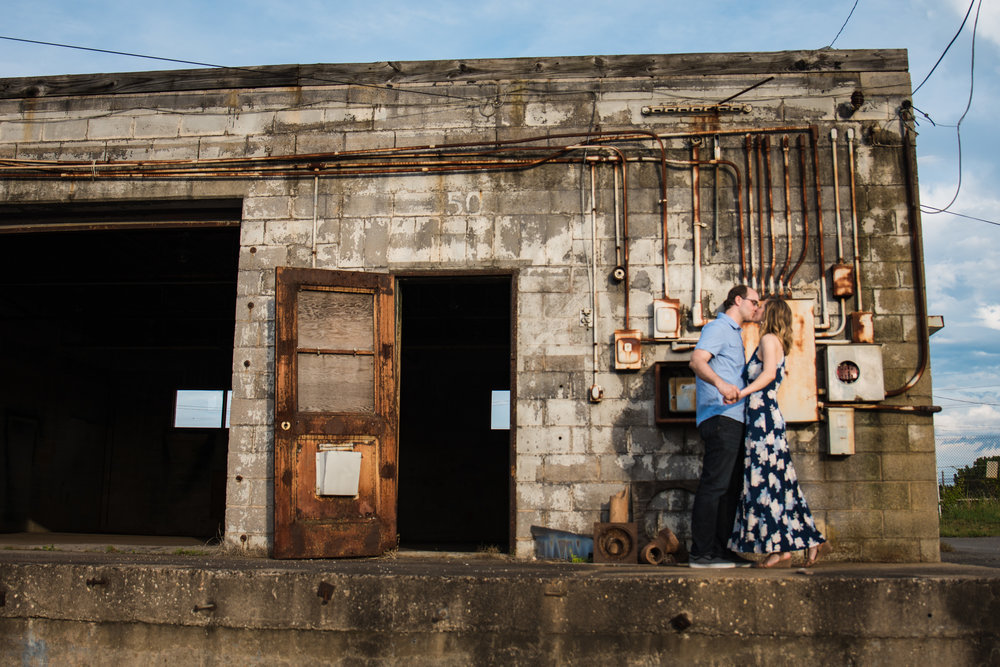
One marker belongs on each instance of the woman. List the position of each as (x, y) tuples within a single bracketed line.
[(773, 517)]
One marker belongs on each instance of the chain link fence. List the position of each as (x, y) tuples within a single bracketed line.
[(968, 464)]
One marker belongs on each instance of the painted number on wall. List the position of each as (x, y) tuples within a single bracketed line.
[(460, 203)]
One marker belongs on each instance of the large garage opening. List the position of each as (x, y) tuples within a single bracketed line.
[(455, 447), (116, 341)]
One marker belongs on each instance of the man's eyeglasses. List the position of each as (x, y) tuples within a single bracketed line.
[(755, 302)]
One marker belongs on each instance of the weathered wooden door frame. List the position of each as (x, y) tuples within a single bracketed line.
[(307, 525)]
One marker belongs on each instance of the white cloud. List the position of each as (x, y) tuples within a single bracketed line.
[(989, 19), (989, 315)]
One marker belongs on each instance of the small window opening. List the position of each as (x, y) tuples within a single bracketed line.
[(202, 408)]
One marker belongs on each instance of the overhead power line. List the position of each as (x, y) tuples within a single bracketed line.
[(830, 46)]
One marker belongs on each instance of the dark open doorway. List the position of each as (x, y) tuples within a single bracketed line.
[(99, 329), (454, 464)]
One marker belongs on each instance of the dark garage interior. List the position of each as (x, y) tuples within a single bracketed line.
[(99, 329), (454, 469)]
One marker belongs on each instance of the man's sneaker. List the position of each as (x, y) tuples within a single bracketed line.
[(714, 562), (738, 560)]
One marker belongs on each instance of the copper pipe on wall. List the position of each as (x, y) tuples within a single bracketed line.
[(916, 253), (697, 318), (854, 222), (759, 286), (836, 196), (739, 197), (750, 277), (770, 211), (783, 278), (882, 407), (805, 210), (825, 319)]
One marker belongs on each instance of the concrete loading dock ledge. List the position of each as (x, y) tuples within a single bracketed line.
[(69, 609)]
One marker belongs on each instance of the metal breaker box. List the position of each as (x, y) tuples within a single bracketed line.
[(854, 373)]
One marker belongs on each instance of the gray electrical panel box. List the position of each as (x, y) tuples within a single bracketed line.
[(854, 373), (840, 431)]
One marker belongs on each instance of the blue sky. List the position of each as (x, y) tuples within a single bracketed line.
[(962, 255)]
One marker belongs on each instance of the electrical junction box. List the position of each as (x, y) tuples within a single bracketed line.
[(681, 391), (628, 349), (854, 373), (840, 431), (666, 318)]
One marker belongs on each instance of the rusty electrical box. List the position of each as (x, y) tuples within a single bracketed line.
[(628, 350), (674, 401)]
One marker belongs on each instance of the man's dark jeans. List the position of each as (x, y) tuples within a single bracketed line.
[(719, 488)]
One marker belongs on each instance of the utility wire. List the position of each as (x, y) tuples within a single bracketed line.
[(236, 69), (959, 400), (943, 53), (968, 105), (830, 45), (932, 210)]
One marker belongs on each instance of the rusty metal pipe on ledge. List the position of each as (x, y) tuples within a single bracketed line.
[(880, 407)]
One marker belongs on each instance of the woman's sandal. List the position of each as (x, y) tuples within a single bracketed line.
[(774, 560), (817, 552)]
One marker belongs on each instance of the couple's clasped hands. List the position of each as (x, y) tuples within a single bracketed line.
[(730, 393)]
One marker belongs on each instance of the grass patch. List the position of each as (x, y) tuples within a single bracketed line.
[(972, 518), (181, 551)]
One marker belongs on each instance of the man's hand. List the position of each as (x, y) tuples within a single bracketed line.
[(730, 392)]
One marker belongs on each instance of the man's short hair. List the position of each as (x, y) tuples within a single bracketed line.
[(738, 291)]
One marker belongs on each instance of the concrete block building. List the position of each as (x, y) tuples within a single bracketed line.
[(329, 310)]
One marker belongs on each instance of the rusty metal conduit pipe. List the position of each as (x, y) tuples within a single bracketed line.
[(618, 233), (770, 210), (825, 318), (697, 317), (739, 195), (916, 254), (836, 196), (315, 217), (758, 142), (750, 277), (805, 210), (882, 407), (854, 222), (593, 267), (783, 278)]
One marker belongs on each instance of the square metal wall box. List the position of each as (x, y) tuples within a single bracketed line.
[(854, 373)]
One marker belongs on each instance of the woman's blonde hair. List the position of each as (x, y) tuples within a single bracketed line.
[(778, 321)]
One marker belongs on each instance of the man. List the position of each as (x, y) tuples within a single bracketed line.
[(718, 362)]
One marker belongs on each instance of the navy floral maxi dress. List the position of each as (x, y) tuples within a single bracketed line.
[(772, 515)]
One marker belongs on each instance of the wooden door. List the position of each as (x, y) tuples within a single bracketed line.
[(335, 398)]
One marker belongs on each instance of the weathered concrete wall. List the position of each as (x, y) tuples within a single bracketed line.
[(879, 504), (81, 609)]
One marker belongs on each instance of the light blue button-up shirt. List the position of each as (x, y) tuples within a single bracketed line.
[(722, 338)]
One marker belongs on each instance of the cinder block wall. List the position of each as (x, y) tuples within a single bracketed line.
[(879, 504)]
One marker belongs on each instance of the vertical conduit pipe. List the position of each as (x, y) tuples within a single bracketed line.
[(825, 317), (748, 148), (760, 214), (836, 196), (854, 222), (315, 217), (916, 256), (800, 142), (783, 278), (697, 318), (770, 211), (593, 266), (618, 233)]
